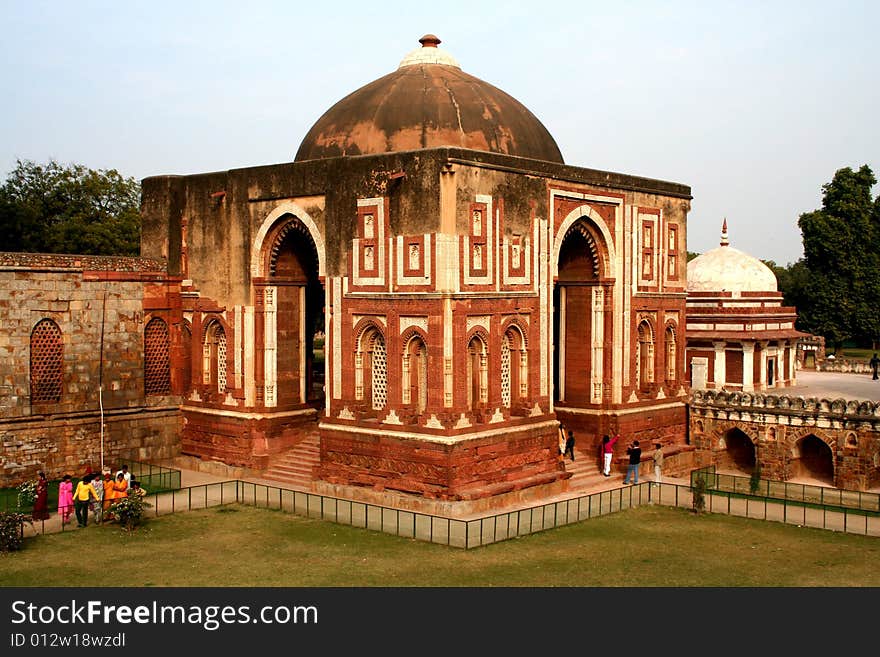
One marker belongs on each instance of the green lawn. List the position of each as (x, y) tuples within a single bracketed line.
[(244, 546)]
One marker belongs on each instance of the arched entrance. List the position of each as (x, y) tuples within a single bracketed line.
[(738, 454), (578, 322), (813, 461), (293, 272)]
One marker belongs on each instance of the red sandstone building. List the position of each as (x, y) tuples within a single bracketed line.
[(471, 290)]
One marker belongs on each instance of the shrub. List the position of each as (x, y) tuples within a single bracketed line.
[(11, 525), (27, 494), (698, 489), (129, 511), (755, 479)]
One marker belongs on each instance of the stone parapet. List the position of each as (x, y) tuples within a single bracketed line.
[(786, 409), (55, 261)]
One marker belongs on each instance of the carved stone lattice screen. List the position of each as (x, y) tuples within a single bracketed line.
[(157, 362), (47, 359), (505, 371), (380, 374)]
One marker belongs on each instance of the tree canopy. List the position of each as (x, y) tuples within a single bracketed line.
[(837, 284), (56, 208)]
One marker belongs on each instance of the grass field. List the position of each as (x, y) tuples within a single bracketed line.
[(244, 546)]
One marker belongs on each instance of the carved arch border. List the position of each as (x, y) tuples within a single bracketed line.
[(210, 318), (409, 334), (720, 430), (518, 324), (273, 226), (795, 435), (601, 245), (478, 332), (364, 325)]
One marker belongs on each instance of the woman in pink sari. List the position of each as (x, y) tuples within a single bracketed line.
[(65, 499)]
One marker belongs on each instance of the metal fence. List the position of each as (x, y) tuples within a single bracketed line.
[(155, 477), (502, 526), (410, 524), (792, 493)]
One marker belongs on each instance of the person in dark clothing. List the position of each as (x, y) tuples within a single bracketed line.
[(569, 444), (635, 458), (875, 363)]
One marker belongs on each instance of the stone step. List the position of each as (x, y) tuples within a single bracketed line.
[(295, 466)]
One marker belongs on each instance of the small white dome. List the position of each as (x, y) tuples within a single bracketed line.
[(429, 53), (726, 269)]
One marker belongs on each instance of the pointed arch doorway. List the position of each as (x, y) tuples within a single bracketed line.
[(297, 312), (579, 320)]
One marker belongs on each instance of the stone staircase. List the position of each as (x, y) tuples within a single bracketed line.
[(295, 466), (586, 474)]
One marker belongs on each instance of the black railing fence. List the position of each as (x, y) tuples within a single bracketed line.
[(500, 526), (783, 490)]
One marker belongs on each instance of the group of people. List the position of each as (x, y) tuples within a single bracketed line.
[(634, 453), (634, 459), (94, 494)]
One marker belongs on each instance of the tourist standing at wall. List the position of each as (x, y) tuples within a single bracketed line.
[(83, 495), (658, 463), (608, 452), (41, 501), (126, 474), (569, 444), (875, 363), (97, 507), (635, 459), (65, 499)]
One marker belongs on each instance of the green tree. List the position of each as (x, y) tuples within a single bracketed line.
[(56, 208), (792, 282), (840, 256)]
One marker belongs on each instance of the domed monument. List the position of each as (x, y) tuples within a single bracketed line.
[(739, 335), (423, 294), (428, 102)]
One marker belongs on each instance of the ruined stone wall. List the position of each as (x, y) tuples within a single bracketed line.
[(777, 424), (98, 307)]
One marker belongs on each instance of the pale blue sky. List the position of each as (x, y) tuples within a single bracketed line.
[(753, 104)]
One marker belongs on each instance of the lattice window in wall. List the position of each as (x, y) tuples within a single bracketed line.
[(47, 360), (505, 371), (670, 354), (221, 359), (379, 374), (422, 357), (157, 359), (186, 379)]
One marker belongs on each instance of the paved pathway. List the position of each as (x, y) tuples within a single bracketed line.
[(834, 385)]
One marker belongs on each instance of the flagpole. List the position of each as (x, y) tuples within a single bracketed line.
[(101, 376)]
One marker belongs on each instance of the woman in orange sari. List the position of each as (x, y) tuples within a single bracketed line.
[(120, 487), (109, 494)]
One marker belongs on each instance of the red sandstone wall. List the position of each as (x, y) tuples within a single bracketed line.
[(469, 469)]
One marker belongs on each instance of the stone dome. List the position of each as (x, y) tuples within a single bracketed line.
[(726, 269), (428, 102)]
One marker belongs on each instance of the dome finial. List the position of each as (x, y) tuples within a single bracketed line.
[(429, 41), (724, 240)]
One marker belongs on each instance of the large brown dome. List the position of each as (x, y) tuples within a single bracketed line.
[(428, 102)]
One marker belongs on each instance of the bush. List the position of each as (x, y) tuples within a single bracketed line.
[(129, 511), (27, 494), (11, 525), (698, 489), (755, 479)]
